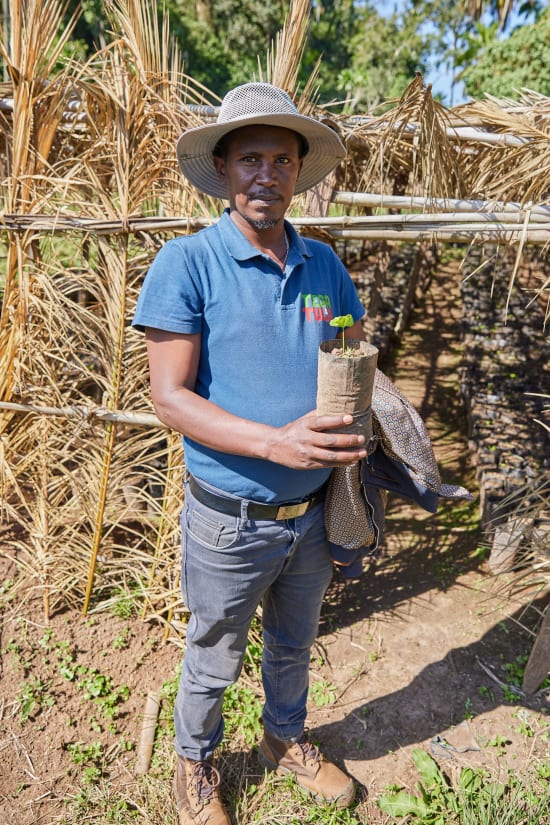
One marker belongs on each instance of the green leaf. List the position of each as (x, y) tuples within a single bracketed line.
[(428, 769), (342, 321), (402, 804)]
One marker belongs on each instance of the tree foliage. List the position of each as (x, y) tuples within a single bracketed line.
[(221, 39), (504, 67), (385, 54), (366, 56)]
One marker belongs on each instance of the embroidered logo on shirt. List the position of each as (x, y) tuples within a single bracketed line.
[(317, 307)]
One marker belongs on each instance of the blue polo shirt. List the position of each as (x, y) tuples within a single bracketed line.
[(261, 329)]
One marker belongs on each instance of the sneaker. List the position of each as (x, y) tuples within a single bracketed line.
[(196, 787), (314, 773)]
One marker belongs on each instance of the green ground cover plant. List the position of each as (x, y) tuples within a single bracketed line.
[(476, 799)]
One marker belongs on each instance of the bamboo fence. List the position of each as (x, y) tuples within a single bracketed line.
[(90, 481)]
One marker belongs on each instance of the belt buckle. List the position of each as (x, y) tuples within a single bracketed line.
[(292, 510)]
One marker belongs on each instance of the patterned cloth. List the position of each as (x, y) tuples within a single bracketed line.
[(401, 460)]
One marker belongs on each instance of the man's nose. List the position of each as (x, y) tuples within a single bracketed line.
[(267, 173)]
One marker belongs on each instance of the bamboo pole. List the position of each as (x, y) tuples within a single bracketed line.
[(443, 204), (455, 234), (86, 414), (462, 134), (469, 224)]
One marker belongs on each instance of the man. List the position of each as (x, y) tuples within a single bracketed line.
[(234, 316)]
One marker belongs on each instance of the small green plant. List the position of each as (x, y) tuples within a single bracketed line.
[(125, 604), (437, 802), (486, 693), (90, 757), (498, 742), (122, 641), (322, 693), (242, 711), (342, 322), (33, 697), (475, 800), (6, 588), (528, 726)]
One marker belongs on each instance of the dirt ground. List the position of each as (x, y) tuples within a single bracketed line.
[(413, 653)]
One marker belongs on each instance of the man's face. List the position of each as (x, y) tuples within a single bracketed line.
[(260, 167)]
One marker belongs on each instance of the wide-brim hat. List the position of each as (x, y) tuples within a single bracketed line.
[(267, 105)]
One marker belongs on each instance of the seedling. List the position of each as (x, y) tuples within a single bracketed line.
[(342, 322), (322, 693), (34, 697)]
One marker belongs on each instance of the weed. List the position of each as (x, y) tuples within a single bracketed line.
[(481, 552), (527, 727), (90, 757), (82, 754), (6, 593), (486, 693), (510, 695), (282, 800), (322, 693), (515, 671), (122, 641), (33, 697), (99, 688), (498, 742), (476, 800), (125, 604), (242, 711)]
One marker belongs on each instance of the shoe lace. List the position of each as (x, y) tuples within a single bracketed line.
[(309, 750), (206, 778)]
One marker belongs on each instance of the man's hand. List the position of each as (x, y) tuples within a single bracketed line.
[(311, 442)]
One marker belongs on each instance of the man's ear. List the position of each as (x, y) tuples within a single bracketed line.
[(219, 163)]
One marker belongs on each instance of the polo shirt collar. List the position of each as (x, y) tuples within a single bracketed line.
[(241, 249)]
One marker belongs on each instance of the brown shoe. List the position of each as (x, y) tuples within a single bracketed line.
[(196, 787), (302, 758)]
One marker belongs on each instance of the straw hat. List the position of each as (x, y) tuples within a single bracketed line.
[(257, 103)]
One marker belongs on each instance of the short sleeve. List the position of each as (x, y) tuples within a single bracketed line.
[(170, 298)]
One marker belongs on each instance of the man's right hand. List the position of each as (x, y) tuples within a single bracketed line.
[(312, 442)]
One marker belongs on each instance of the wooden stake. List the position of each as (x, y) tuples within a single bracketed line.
[(148, 728)]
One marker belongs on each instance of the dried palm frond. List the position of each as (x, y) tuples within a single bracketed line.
[(40, 95), (405, 149), (285, 55), (96, 501)]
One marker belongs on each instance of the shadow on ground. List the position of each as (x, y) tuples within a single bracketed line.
[(468, 678)]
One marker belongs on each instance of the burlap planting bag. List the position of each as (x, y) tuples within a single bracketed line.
[(344, 385)]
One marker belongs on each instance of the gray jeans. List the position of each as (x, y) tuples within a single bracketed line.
[(230, 565)]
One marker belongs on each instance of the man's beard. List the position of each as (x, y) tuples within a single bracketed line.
[(261, 223)]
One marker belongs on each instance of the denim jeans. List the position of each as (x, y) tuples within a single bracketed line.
[(231, 565)]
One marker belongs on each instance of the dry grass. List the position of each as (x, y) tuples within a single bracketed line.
[(96, 503)]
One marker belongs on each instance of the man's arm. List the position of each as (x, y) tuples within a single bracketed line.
[(301, 444)]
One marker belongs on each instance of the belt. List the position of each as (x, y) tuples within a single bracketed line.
[(255, 509)]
